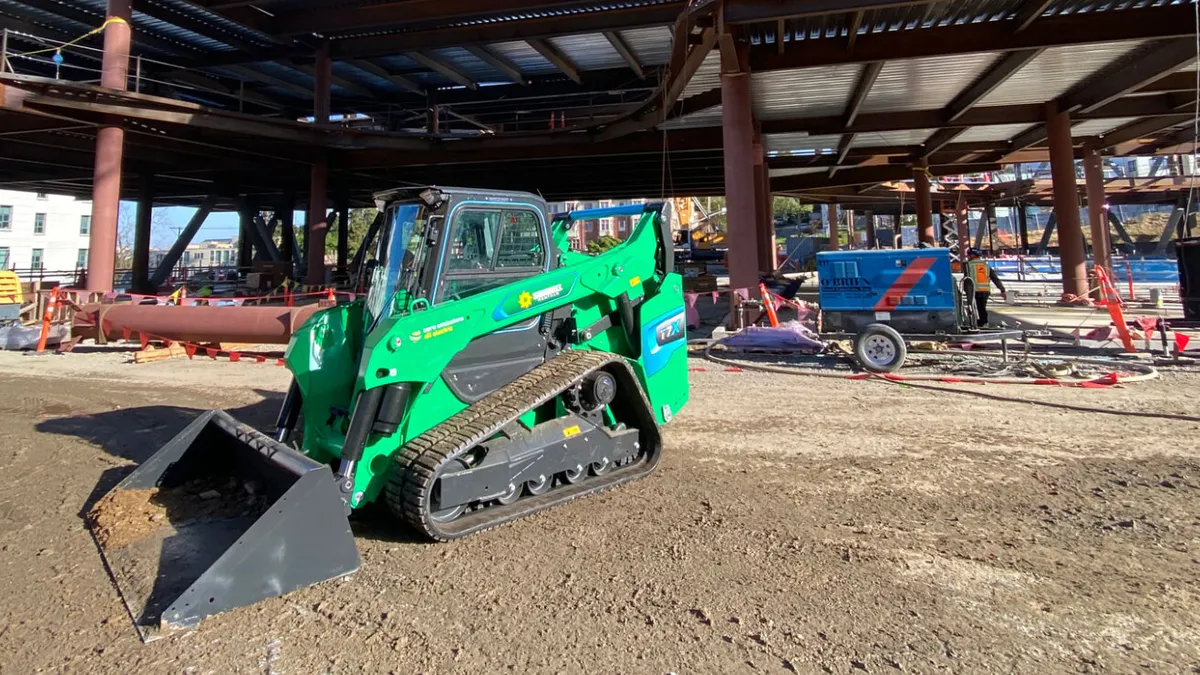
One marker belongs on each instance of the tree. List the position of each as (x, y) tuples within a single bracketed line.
[(602, 244), (790, 208), (160, 224), (715, 206), (785, 207), (360, 222)]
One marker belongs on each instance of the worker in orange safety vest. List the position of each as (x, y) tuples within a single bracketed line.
[(978, 271)]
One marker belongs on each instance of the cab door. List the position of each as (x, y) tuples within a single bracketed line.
[(491, 245)]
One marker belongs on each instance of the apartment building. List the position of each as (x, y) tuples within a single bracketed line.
[(43, 234)]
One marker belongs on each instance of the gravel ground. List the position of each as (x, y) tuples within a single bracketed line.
[(795, 525)]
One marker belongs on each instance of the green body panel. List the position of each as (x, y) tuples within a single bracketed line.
[(333, 361)]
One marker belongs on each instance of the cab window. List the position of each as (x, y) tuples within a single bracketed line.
[(490, 247)]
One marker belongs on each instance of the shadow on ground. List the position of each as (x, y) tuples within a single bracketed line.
[(137, 433)]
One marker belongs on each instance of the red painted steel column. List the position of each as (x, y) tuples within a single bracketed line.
[(737, 132), (832, 222), (110, 142), (318, 221), (924, 207), (1066, 202), (1093, 171)]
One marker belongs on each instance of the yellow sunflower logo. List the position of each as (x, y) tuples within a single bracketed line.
[(525, 300)]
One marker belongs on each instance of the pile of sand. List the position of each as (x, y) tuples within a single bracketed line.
[(125, 516)]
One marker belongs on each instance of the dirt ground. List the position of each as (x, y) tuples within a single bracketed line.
[(795, 525)]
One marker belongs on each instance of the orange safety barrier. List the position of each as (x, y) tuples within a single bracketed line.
[(48, 318), (1113, 301)]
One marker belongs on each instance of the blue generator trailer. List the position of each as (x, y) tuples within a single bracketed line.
[(881, 298)]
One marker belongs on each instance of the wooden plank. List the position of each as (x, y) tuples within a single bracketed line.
[(152, 354)]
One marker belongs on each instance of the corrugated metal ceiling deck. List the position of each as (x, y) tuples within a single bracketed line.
[(926, 83), (800, 143), (918, 16), (1099, 127), (808, 92), (995, 132), (891, 138), (1054, 71)]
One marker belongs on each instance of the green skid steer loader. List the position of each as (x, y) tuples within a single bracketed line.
[(490, 373)]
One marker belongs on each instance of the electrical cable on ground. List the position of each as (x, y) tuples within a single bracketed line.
[(919, 382)]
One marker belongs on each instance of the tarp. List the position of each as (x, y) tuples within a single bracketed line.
[(26, 337), (790, 336)]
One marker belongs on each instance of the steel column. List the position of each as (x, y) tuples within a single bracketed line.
[(989, 213), (1066, 201), (1093, 171), (872, 236), (962, 216), (317, 224), (737, 132), (764, 220), (181, 243), (1023, 223), (924, 206), (343, 232), (850, 228), (245, 248), (110, 142), (287, 227), (141, 235), (832, 222)]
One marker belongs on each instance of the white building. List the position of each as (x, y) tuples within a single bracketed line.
[(43, 232)]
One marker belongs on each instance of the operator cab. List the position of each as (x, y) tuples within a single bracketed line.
[(443, 244)]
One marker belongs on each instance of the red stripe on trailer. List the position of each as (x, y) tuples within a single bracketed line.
[(904, 283)]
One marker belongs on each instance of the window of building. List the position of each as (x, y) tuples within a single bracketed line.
[(3, 257), (85, 224), (35, 259), (81, 258), (39, 223), (621, 225), (5, 218)]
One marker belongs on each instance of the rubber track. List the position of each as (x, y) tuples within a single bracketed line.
[(420, 461)]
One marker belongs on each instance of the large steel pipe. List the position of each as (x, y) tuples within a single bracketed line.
[(256, 325)]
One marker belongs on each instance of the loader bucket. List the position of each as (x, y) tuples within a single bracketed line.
[(220, 517)]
